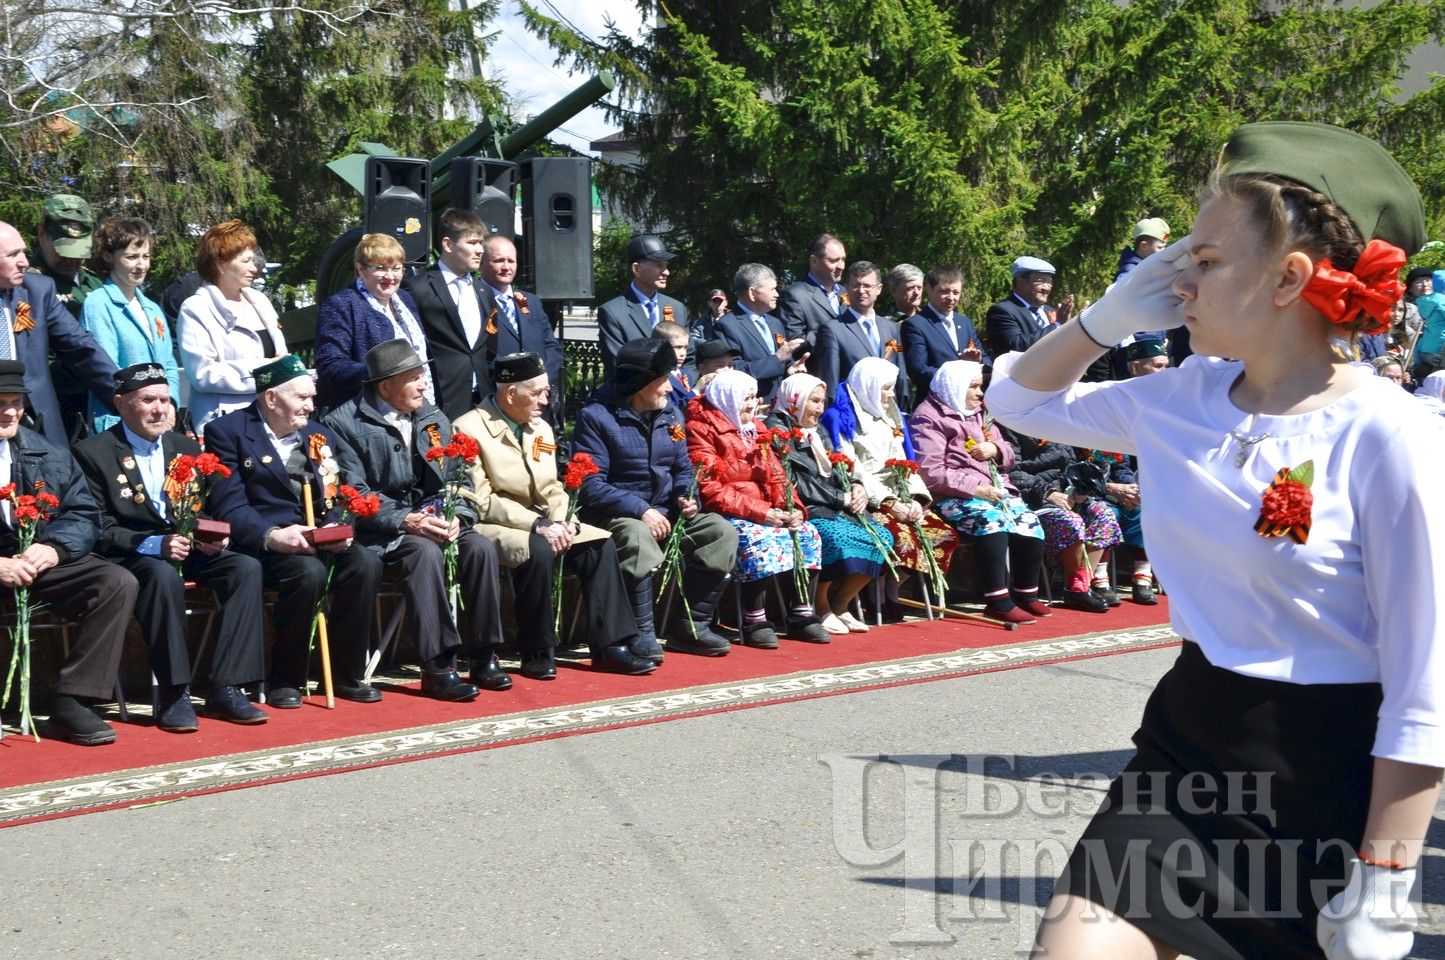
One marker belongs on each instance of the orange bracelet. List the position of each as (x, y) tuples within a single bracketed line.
[(1385, 864)]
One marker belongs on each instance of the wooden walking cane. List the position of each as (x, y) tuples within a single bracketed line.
[(320, 615)]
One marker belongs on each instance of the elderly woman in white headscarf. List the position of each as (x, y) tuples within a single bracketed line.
[(965, 461), (740, 478), (865, 424), (837, 502)]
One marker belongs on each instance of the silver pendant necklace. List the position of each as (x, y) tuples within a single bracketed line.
[(1246, 442)]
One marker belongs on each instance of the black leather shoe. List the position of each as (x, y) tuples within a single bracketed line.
[(490, 676), (175, 713), (356, 691), (1106, 594), (74, 722), (1084, 600), (619, 659), (539, 666), (1144, 593), (283, 698), (448, 686), (231, 705)]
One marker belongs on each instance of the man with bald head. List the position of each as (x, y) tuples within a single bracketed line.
[(34, 323), (514, 319)]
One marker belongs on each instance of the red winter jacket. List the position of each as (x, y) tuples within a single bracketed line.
[(739, 479)]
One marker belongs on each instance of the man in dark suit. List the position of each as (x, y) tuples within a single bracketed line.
[(1017, 323), (515, 320), (819, 296), (449, 300), (274, 449), (936, 334), (643, 306), (764, 353), (33, 323), (858, 332), (384, 436), (58, 566), (126, 467)]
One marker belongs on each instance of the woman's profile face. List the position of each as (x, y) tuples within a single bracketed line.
[(749, 406), (240, 270), (975, 394), (887, 396), (813, 407), (1228, 303)]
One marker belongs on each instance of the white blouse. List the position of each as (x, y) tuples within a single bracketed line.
[(1357, 603)]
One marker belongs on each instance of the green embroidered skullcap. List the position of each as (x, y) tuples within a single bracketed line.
[(279, 371), (1353, 171)]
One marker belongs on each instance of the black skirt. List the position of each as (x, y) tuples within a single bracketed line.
[(1234, 823)]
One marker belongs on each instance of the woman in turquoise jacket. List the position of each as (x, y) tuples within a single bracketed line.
[(127, 324)]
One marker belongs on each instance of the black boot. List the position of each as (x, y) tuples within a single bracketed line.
[(645, 647), (694, 634), (808, 629)]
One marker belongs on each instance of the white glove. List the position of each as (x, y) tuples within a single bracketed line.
[(1143, 300), (1372, 918)]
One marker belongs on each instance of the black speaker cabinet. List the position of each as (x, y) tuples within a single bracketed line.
[(557, 227), (398, 202), (487, 188)]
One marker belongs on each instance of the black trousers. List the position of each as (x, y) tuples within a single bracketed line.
[(299, 581), (99, 597), (420, 567), (240, 653), (609, 610)]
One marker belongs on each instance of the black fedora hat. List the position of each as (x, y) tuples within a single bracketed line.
[(390, 358)]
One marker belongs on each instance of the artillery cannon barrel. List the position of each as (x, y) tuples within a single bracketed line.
[(557, 114)]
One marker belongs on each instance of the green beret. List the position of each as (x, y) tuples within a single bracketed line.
[(279, 371), (1145, 348), (1353, 171)]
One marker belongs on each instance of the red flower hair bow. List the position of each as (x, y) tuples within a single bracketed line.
[(1373, 286)]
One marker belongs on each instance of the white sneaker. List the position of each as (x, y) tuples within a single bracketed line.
[(832, 624), (853, 624)]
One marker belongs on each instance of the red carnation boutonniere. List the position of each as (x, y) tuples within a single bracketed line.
[(1287, 504), (160, 328), (521, 303), (23, 320)]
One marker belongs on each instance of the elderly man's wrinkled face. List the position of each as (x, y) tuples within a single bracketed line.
[(146, 411), (288, 407), (653, 396), (524, 402), (404, 391), (1034, 287), (908, 296), (1142, 368), (13, 262), (651, 275), (12, 408)]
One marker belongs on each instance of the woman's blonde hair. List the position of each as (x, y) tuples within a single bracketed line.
[(378, 248)]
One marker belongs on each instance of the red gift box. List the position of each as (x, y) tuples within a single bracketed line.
[(324, 535), (211, 531)]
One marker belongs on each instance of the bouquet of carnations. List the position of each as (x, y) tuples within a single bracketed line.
[(187, 482), (579, 468), (843, 466), (453, 459), (899, 472), (30, 510), (780, 442), (672, 551)]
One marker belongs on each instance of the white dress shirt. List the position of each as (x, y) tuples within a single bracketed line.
[(464, 294)]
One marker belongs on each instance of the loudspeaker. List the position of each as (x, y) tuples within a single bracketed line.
[(398, 202), (486, 187), (557, 227)]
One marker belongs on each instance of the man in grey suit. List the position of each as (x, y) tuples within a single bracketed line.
[(859, 332), (33, 322), (755, 335), (819, 296), (643, 306)]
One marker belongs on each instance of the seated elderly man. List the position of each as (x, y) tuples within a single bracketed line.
[(59, 568), (126, 466), (274, 450), (639, 443), (521, 505), (384, 436)]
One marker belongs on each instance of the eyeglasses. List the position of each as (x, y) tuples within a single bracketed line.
[(384, 268)]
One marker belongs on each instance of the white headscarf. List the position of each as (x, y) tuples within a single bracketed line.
[(866, 382), (1433, 386), (793, 394), (951, 382), (728, 391)]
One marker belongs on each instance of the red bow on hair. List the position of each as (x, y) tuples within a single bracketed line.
[(1373, 286)]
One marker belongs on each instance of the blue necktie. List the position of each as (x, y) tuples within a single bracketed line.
[(650, 306), (872, 334), (763, 330), (509, 310), (7, 309)]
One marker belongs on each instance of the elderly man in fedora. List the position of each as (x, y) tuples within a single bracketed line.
[(385, 434), (638, 440), (274, 450), (521, 505), (126, 467)]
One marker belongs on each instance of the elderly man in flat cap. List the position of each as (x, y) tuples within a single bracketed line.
[(59, 568), (385, 435), (1016, 323), (639, 442), (521, 505), (126, 468), (274, 450)]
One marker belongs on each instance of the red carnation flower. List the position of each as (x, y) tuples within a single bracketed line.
[(579, 468), (1287, 504)]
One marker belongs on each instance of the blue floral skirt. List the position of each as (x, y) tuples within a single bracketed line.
[(1094, 524), (978, 517), (847, 547), (764, 550)]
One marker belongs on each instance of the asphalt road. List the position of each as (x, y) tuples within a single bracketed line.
[(766, 833)]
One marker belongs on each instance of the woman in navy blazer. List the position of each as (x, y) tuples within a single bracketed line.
[(373, 310)]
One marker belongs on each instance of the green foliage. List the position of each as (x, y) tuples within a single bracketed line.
[(932, 131), (609, 273)]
